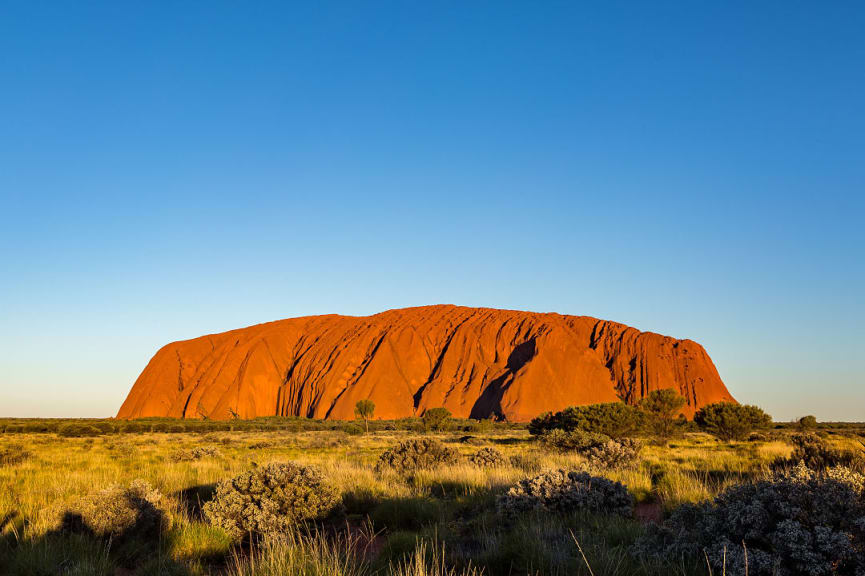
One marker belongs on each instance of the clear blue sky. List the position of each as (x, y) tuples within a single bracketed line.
[(694, 169)]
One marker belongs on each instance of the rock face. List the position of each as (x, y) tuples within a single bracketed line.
[(476, 362)]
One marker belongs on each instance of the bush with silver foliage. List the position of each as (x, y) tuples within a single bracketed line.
[(271, 499), (488, 458), (416, 454), (801, 522), (566, 491)]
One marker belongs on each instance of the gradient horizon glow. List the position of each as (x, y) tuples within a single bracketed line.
[(174, 169)]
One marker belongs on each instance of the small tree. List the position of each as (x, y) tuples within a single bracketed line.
[(807, 423), (729, 421), (662, 408), (364, 410), (436, 418)]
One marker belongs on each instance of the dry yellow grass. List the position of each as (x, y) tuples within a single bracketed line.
[(35, 493)]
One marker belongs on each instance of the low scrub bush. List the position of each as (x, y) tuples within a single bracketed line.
[(482, 426), (799, 523), (818, 454), (488, 458), (572, 440), (271, 499), (566, 492), (74, 430), (614, 454), (416, 454), (729, 421), (117, 510), (352, 430), (196, 453), (600, 450), (436, 419), (613, 419)]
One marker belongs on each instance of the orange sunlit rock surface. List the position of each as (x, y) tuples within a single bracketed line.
[(476, 362)]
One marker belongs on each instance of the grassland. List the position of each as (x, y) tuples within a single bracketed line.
[(439, 521)]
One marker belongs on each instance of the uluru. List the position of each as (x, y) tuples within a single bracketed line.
[(476, 362)]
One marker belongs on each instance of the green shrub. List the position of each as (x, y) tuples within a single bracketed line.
[(662, 409), (572, 440), (565, 492), (481, 426), (436, 419), (415, 454), (271, 499), (613, 419), (123, 510), (802, 523), (104, 427), (729, 421), (807, 423), (488, 458), (352, 430), (76, 430), (196, 453)]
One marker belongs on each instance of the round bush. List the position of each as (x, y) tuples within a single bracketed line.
[(729, 421), (196, 453), (122, 510), (415, 454), (614, 455), (799, 523), (487, 458), (271, 499), (564, 491), (613, 419)]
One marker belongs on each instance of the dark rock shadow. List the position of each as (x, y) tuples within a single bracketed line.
[(489, 403)]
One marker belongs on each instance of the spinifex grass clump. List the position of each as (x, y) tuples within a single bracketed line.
[(488, 458), (805, 522), (13, 454), (528, 463), (123, 510), (566, 492), (196, 453), (417, 454), (271, 499)]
